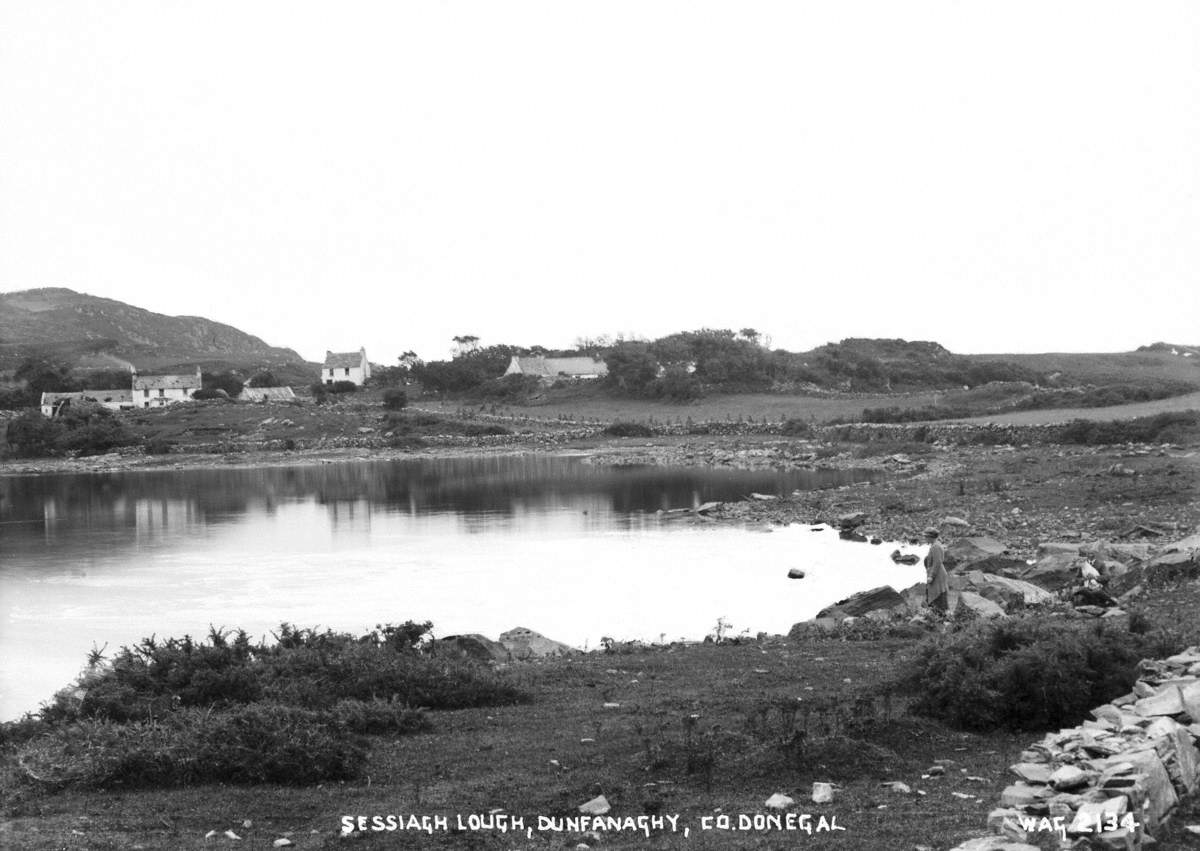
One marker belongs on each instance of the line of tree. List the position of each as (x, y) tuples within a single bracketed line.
[(688, 364)]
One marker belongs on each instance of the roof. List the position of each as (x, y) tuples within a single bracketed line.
[(338, 360), (166, 382), (267, 394), (105, 396), (551, 367)]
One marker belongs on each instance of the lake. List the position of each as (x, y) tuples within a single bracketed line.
[(573, 550)]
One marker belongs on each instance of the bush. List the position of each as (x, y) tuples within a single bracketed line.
[(260, 743), (1174, 427), (208, 394), (395, 399), (626, 429), (227, 381), (32, 435), (795, 427), (1022, 674), (342, 387)]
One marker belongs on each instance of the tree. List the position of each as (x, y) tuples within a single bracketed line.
[(262, 379), (631, 367), (42, 375), (227, 381), (465, 344)]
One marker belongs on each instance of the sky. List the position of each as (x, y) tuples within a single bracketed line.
[(998, 177)]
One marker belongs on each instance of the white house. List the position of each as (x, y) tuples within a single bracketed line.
[(550, 369), (154, 391), (346, 366), (114, 400)]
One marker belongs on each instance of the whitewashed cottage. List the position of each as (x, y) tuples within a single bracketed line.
[(154, 391), (346, 366)]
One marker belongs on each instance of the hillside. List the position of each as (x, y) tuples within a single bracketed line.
[(87, 331)]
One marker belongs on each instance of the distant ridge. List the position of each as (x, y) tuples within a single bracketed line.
[(88, 331)]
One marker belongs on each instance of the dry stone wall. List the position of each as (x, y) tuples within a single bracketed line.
[(1110, 783)]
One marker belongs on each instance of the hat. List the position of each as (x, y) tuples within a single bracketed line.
[(931, 532)]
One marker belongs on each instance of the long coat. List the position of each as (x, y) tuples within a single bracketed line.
[(937, 583)]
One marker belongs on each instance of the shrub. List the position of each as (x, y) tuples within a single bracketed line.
[(158, 445), (1173, 427), (627, 429), (796, 427), (342, 387), (1021, 674), (395, 399), (208, 394), (227, 381), (260, 743), (32, 435)]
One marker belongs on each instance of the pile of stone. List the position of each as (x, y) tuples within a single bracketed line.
[(1109, 783)]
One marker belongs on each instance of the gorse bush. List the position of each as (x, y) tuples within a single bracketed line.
[(229, 710), (1022, 674), (257, 743)]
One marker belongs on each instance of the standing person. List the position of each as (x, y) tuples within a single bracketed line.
[(937, 586)]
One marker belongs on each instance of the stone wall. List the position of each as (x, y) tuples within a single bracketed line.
[(1109, 783)]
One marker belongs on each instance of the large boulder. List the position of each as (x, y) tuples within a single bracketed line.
[(1009, 593), (1055, 571), (474, 646), (883, 598), (980, 606), (852, 520), (965, 551), (524, 643)]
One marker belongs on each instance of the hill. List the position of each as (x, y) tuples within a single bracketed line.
[(87, 331)]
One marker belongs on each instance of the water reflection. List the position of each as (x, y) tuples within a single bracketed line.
[(58, 515), (476, 545)]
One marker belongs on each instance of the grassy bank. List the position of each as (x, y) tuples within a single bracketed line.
[(689, 731)]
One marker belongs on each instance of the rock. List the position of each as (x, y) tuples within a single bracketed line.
[(857, 605), (954, 521), (965, 551), (1021, 795), (1050, 548), (1068, 777), (795, 573), (1010, 593), (1055, 571), (524, 643), (598, 806), (474, 646), (1094, 814), (852, 520), (1032, 772), (778, 802), (980, 605), (910, 558), (1160, 794), (763, 496), (282, 842), (994, 843), (822, 793), (897, 786), (1167, 701)]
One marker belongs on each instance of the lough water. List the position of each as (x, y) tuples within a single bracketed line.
[(574, 551)]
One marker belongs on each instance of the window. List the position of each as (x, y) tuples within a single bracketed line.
[(160, 391), (146, 393), (347, 370)]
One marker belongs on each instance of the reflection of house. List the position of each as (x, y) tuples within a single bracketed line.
[(154, 391), (346, 366), (115, 400), (266, 394), (549, 369)]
